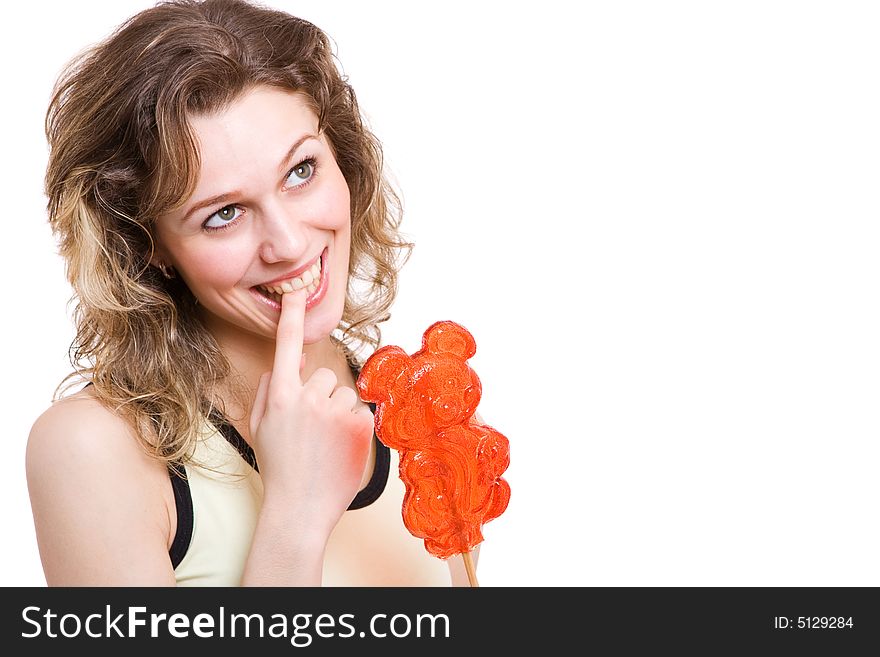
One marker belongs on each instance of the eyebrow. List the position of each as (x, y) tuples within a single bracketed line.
[(223, 198)]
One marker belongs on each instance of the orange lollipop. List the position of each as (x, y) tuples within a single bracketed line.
[(450, 464)]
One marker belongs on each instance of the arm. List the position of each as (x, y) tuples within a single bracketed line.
[(312, 441), (99, 503)]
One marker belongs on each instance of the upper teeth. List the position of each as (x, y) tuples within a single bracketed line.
[(308, 279)]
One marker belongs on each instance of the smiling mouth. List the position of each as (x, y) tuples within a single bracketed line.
[(310, 280)]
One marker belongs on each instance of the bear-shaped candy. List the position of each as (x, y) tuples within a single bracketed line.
[(450, 463)]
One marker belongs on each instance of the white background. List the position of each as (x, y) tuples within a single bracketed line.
[(659, 221)]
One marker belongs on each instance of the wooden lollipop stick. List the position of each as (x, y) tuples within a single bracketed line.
[(471, 570)]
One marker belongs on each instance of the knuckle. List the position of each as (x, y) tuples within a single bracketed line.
[(286, 331), (312, 396), (325, 374), (277, 403), (346, 394)]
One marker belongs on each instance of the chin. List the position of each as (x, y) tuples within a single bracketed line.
[(319, 327)]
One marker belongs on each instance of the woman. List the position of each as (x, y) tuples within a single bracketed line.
[(233, 245)]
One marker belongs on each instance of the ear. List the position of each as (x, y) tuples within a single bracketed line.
[(159, 256), (380, 372), (159, 259), (167, 271), (449, 338)]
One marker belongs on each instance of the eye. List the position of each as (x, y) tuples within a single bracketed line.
[(301, 173), (223, 217)]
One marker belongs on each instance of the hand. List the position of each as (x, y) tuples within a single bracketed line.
[(311, 438)]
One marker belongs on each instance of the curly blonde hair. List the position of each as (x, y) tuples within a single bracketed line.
[(123, 152)]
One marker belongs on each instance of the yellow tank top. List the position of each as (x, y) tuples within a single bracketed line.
[(226, 494)]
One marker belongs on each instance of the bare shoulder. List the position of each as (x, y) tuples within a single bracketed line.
[(78, 426), (82, 437), (99, 501)]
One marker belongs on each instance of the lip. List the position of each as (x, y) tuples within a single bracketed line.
[(313, 299), (295, 272), (319, 293)]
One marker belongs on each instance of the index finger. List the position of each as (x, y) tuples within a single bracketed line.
[(289, 339)]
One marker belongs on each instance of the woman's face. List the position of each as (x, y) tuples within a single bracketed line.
[(271, 209)]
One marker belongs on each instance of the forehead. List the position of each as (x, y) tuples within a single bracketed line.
[(259, 125)]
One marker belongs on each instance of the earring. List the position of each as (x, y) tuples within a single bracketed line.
[(167, 272)]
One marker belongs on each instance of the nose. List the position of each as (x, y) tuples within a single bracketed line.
[(283, 235)]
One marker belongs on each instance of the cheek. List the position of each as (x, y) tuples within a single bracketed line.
[(335, 211), (335, 215), (215, 267)]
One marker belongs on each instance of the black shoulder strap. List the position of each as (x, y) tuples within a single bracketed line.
[(184, 505)]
